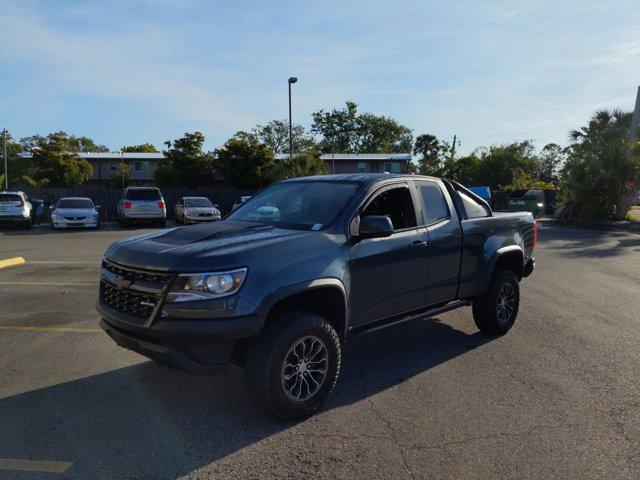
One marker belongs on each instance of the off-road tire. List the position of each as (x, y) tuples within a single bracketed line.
[(267, 354), (486, 311)]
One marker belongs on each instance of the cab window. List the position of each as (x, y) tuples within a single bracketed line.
[(472, 208), (434, 205), (396, 204)]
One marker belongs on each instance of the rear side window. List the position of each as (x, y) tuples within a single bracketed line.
[(145, 194), (396, 204), (434, 205), (472, 208), (9, 197)]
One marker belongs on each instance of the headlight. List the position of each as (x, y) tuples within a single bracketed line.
[(190, 212), (540, 205), (56, 218), (204, 286)]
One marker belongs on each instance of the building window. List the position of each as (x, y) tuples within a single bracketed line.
[(395, 167), (362, 167), (140, 166), (113, 166), (387, 167)]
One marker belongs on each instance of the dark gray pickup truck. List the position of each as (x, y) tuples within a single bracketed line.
[(306, 265)]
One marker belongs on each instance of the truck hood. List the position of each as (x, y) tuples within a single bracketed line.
[(225, 244)]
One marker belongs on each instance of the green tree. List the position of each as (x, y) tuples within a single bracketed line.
[(143, 148), (301, 165), (525, 181), (346, 131), (185, 163), (430, 154), (602, 168), (465, 170), (246, 163), (17, 166), (501, 164), (52, 160), (551, 159), (121, 177), (275, 135), (84, 144)]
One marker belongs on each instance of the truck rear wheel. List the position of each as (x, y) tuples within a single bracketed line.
[(496, 311), (294, 364)]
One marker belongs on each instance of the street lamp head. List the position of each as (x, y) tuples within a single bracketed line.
[(292, 80)]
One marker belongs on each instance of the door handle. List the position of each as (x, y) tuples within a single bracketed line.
[(418, 244)]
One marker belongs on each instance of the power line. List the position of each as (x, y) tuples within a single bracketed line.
[(604, 62), (626, 90), (587, 80)]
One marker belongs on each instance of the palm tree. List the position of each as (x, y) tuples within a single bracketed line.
[(301, 165), (600, 171)]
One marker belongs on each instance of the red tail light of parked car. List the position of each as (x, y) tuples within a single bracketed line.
[(127, 204), (160, 204)]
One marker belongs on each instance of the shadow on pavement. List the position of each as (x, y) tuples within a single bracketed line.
[(577, 242), (144, 421)]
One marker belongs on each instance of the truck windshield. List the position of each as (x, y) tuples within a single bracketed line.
[(75, 203), (297, 205)]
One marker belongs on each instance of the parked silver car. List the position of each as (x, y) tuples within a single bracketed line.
[(142, 205), (75, 212), (196, 209), (15, 208)]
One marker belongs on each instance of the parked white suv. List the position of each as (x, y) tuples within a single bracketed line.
[(142, 205), (15, 208)]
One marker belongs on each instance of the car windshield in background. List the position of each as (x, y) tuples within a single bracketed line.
[(75, 203), (9, 197), (298, 205), (146, 194), (197, 202)]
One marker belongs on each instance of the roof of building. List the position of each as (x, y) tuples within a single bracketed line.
[(114, 155), (396, 157)]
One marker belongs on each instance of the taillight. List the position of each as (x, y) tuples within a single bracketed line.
[(127, 204), (160, 204), (535, 233)]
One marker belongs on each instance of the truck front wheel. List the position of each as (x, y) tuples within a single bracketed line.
[(496, 311), (293, 364)]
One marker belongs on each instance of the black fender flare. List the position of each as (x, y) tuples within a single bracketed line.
[(495, 257), (302, 287)]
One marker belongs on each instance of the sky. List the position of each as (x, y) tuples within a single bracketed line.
[(490, 72)]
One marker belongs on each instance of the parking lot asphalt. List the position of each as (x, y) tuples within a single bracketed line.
[(557, 397)]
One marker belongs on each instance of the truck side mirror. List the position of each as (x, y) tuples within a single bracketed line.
[(375, 226)]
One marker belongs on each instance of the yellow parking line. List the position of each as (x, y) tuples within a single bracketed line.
[(34, 465), (62, 262), (49, 329), (58, 284), (11, 261)]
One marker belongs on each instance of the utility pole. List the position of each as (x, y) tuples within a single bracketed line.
[(6, 172), (633, 133), (122, 167), (290, 81), (453, 147)]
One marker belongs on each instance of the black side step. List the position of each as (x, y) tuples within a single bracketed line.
[(358, 332)]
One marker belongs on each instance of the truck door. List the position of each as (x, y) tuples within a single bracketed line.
[(388, 275), (444, 250)]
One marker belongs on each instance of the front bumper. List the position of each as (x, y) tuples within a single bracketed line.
[(191, 344), (529, 267), (90, 223), (198, 219)]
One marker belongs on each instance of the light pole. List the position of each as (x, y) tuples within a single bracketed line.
[(6, 173), (291, 80)]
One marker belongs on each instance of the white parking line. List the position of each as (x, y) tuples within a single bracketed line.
[(34, 465)]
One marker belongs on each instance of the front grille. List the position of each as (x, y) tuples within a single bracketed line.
[(132, 274), (134, 303), (119, 290), (75, 218)]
